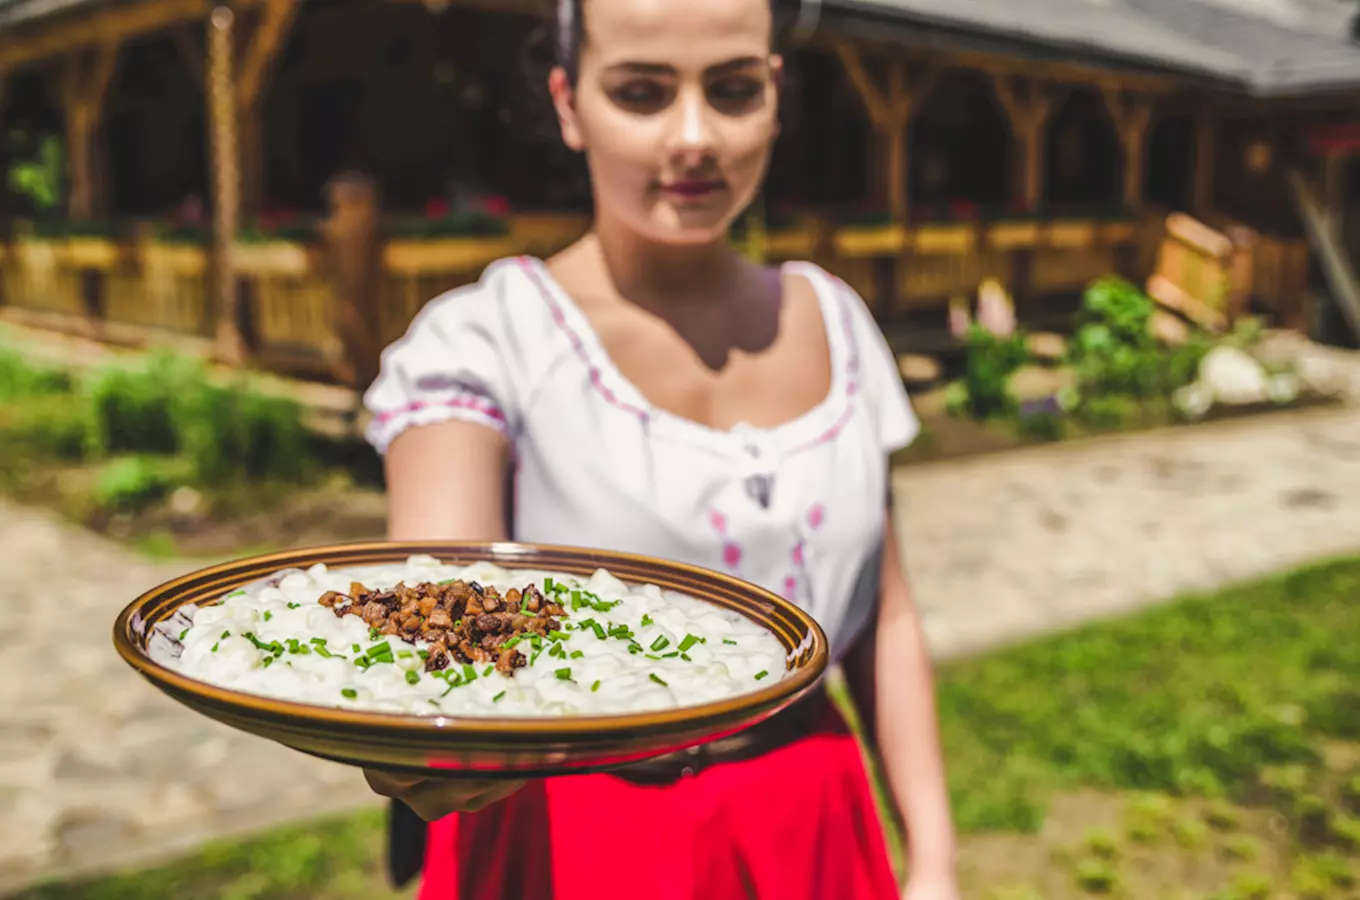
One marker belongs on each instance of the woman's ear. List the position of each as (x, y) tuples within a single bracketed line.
[(778, 75), (564, 102)]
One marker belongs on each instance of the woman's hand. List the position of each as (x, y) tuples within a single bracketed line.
[(435, 798), (932, 887)]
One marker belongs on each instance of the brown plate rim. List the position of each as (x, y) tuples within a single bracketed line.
[(790, 687)]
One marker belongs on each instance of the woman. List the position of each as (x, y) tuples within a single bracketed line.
[(647, 390)]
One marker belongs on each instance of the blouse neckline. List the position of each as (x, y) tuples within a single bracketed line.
[(804, 429)]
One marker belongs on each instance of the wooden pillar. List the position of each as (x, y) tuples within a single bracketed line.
[(353, 260), (1206, 156), (1029, 106), (890, 107), (1131, 114), (250, 71), (85, 81), (226, 181)]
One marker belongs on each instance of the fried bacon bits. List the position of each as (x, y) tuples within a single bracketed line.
[(462, 621)]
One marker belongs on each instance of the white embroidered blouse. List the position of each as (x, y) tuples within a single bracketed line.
[(797, 508)]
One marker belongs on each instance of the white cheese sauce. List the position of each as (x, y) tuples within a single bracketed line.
[(279, 641)]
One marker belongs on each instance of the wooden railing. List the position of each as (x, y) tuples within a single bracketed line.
[(144, 291)]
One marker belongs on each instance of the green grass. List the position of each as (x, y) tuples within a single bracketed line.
[(1232, 696)]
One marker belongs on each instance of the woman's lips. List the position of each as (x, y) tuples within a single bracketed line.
[(692, 189)]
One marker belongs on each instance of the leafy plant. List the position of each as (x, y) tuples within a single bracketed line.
[(40, 178), (984, 390), (131, 482)]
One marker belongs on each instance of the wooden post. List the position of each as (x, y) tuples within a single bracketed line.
[(353, 261), (1206, 154), (890, 108), (1029, 106), (1131, 114), (226, 182), (84, 86)]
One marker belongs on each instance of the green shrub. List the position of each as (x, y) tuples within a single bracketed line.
[(20, 379), (984, 390), (130, 483)]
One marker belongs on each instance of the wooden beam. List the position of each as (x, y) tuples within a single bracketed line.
[(890, 107), (192, 55), (1131, 114), (269, 37), (226, 180), (261, 50), (1029, 105), (101, 24), (85, 80)]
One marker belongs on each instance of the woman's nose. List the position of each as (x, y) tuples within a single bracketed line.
[(693, 134)]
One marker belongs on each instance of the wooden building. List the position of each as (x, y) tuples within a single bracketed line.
[(268, 179)]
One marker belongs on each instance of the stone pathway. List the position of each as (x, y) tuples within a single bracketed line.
[(98, 771)]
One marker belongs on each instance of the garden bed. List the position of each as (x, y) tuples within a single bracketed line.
[(1206, 750)]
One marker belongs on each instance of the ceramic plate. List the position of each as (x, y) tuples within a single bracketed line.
[(486, 747)]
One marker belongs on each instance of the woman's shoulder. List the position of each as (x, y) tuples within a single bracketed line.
[(509, 292)]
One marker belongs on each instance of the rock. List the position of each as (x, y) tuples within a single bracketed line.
[(1047, 346), (918, 369), (1040, 382), (1234, 377), (185, 501), (1168, 328)]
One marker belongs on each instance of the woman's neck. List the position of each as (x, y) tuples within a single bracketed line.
[(665, 278)]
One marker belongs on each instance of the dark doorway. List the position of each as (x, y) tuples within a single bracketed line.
[(1171, 162), (1084, 161), (330, 137)]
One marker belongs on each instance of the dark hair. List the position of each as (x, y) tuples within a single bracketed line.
[(569, 30)]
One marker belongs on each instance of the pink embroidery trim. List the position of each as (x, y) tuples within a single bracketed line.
[(731, 555), (718, 521), (816, 515), (464, 402), (790, 588), (560, 320)]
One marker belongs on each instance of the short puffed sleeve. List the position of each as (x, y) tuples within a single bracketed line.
[(454, 362), (879, 377)]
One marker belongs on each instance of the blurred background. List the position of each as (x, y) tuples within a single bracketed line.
[(1113, 243)]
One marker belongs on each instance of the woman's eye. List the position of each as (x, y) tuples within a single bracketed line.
[(735, 94), (641, 96)]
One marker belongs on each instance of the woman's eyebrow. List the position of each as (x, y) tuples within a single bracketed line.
[(650, 68)]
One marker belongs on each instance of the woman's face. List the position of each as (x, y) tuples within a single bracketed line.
[(676, 108)]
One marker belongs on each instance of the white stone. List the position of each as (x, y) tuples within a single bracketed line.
[(1234, 377)]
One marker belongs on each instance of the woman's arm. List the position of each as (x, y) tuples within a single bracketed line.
[(446, 481), (908, 733)]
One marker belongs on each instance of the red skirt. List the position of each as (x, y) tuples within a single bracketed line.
[(798, 823)]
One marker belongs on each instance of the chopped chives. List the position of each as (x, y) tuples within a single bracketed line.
[(729, 641), (412, 676), (294, 605), (320, 642), (469, 673), (646, 620), (488, 670), (236, 594), (355, 648), (497, 698), (549, 585), (558, 636), (594, 687), (599, 632), (657, 678), (661, 643), (652, 656), (671, 655), (512, 642), (563, 673), (268, 615), (689, 641), (214, 648), (685, 657), (185, 632), (373, 633), (350, 693), (576, 654), (423, 654), (761, 674), (225, 635), (404, 654)]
